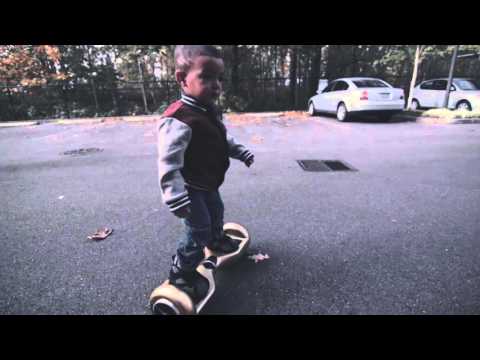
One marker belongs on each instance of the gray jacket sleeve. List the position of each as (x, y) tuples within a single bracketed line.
[(237, 151), (173, 139)]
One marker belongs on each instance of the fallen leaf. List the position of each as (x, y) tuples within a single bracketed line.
[(101, 234), (259, 257), (257, 139)]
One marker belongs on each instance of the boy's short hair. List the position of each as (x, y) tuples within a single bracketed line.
[(185, 55)]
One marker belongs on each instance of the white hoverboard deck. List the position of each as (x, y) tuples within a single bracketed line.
[(169, 300)]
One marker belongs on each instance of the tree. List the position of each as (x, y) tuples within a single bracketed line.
[(26, 66), (119, 79), (29, 65), (316, 69), (235, 64), (419, 52), (293, 76)]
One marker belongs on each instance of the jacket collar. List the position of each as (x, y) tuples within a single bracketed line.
[(193, 103)]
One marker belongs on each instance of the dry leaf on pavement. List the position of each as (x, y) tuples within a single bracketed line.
[(256, 139), (259, 257), (101, 234)]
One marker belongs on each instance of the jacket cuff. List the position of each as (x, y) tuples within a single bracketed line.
[(245, 155), (178, 203)]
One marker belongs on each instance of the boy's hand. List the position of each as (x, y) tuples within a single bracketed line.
[(183, 212), (250, 161)]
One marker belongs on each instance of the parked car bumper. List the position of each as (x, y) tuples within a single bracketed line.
[(381, 106)]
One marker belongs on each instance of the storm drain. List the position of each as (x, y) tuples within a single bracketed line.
[(324, 165), (82, 151)]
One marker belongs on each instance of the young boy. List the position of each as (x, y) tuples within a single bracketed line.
[(193, 157)]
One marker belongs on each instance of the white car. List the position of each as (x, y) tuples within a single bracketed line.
[(348, 96), (464, 94)]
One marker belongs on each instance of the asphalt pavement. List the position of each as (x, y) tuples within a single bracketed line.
[(398, 236)]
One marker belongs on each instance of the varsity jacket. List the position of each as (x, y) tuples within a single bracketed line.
[(193, 151)]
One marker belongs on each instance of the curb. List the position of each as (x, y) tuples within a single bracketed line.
[(128, 119), (444, 121), (142, 118), (81, 121), (467, 121), (19, 123), (436, 120), (153, 118), (78, 122)]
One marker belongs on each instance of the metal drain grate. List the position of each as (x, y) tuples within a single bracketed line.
[(324, 165), (336, 165), (313, 165), (82, 151)]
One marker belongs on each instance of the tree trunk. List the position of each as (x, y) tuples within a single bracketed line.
[(275, 52), (114, 98), (399, 80), (414, 77), (301, 77), (142, 83), (10, 103), (293, 77), (330, 72), (168, 90), (450, 76), (152, 95), (282, 63), (64, 91), (354, 68), (114, 94), (65, 100), (234, 78), (92, 82), (316, 69), (94, 92), (113, 84)]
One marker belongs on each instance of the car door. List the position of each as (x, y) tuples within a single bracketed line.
[(426, 95), (440, 87), (338, 94), (321, 101), (456, 94)]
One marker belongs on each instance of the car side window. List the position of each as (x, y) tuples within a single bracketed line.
[(329, 87), (341, 85), (440, 85), (427, 85)]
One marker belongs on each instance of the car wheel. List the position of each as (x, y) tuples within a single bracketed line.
[(311, 109), (464, 105), (342, 112), (415, 105)]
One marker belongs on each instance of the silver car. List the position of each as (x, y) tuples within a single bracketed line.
[(464, 94), (357, 95)]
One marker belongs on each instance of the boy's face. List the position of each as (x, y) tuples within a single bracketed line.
[(204, 79)]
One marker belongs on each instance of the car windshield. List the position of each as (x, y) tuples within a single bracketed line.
[(467, 84), (369, 84)]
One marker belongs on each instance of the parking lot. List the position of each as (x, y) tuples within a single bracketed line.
[(398, 236)]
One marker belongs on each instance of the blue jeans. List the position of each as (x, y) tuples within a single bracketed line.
[(202, 227)]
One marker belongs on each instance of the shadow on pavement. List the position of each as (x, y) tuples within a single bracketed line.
[(373, 119), (278, 286)]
